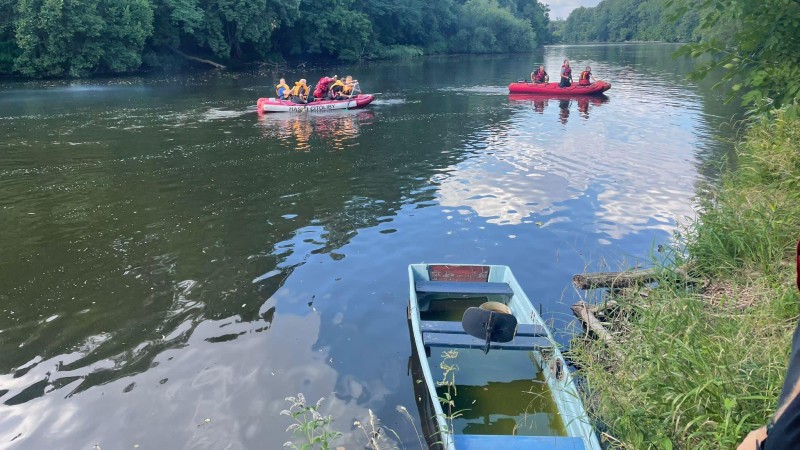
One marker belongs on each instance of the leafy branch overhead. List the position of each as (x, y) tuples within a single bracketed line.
[(752, 46)]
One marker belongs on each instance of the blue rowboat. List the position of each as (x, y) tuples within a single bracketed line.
[(510, 386)]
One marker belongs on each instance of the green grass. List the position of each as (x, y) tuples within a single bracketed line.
[(699, 368), (753, 221)]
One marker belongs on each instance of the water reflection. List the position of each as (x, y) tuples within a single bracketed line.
[(563, 115), (339, 128), (531, 172), (540, 102)]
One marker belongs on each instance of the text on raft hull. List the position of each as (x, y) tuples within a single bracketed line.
[(271, 105)]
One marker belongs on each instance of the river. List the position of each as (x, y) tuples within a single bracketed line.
[(172, 265)]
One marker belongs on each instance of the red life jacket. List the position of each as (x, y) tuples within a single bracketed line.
[(584, 81), (322, 87), (539, 75), (567, 71)]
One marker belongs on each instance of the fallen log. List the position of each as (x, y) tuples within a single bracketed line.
[(613, 280), (200, 60), (585, 314)]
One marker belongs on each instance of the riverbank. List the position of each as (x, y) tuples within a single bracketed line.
[(699, 366)]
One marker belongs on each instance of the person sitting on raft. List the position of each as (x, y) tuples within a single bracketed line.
[(321, 89), (335, 90), (350, 87), (282, 90), (586, 77), (299, 92), (566, 75), (540, 76)]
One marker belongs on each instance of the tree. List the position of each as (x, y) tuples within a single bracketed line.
[(329, 28), (535, 12), (78, 37), (485, 27), (8, 44), (228, 30), (759, 56), (395, 22), (626, 20)]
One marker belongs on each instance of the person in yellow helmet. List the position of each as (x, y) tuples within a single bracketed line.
[(282, 90), (300, 92)]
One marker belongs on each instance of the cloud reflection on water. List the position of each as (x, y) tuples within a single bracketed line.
[(632, 178)]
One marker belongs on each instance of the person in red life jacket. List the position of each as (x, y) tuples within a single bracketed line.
[(282, 90), (783, 430), (321, 89), (586, 77), (540, 76), (566, 75)]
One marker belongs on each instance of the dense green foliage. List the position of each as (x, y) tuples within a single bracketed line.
[(630, 20), (73, 37), (485, 28), (83, 37), (698, 368), (758, 51)]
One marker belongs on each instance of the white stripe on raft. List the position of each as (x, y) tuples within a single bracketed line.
[(274, 105)]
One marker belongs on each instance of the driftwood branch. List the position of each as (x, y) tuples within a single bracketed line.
[(200, 60), (583, 311), (614, 280), (620, 280)]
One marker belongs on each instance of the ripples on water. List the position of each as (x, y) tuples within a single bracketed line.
[(170, 256)]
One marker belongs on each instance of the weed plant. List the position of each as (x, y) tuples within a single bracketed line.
[(447, 397), (698, 368), (311, 428)]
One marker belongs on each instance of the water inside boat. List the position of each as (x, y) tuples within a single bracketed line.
[(502, 392)]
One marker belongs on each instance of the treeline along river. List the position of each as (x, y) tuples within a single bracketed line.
[(172, 265)]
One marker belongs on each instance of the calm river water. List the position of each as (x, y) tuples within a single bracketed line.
[(172, 266)]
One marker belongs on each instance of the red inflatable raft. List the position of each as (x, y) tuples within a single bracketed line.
[(525, 87)]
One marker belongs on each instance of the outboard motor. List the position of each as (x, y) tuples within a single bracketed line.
[(492, 321)]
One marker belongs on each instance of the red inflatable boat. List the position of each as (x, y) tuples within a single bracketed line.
[(526, 87)]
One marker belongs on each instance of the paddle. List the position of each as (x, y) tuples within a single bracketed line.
[(490, 325), (353, 93)]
